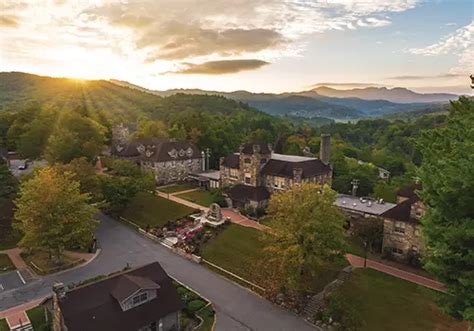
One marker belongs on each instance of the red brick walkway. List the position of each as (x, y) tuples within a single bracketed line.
[(14, 255), (17, 315), (358, 262)]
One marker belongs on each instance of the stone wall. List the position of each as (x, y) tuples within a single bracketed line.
[(407, 241), (172, 171), (251, 164)]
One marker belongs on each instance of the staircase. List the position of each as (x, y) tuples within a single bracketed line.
[(19, 322)]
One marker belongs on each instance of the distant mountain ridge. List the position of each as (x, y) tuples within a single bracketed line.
[(396, 94), (327, 102)]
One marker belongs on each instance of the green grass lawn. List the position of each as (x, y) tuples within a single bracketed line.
[(37, 317), (178, 187), (387, 303), (4, 325), (203, 198), (147, 209), (5, 263), (238, 250)]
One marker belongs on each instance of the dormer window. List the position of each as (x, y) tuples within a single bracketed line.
[(138, 299)]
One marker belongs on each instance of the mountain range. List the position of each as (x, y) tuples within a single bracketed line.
[(328, 102)]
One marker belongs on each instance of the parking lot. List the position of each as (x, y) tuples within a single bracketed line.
[(11, 280)]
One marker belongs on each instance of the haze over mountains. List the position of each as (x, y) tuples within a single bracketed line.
[(125, 99), (328, 102)]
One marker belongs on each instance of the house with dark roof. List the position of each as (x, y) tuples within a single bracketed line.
[(142, 299), (255, 172), (402, 228), (170, 160)]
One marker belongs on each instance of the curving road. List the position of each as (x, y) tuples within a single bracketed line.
[(237, 308)]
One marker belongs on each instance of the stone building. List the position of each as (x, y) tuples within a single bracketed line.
[(402, 229), (169, 160), (142, 299), (255, 172)]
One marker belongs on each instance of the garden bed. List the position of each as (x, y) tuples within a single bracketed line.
[(198, 313), (5, 263)]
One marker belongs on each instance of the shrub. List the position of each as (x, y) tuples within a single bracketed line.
[(195, 305)]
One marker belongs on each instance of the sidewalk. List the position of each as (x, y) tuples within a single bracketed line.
[(358, 262), (17, 315), (14, 255)]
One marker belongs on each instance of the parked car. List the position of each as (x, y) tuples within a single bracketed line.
[(24, 166)]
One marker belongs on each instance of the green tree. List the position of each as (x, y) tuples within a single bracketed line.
[(151, 129), (75, 136), (123, 182), (306, 233), (447, 174), (8, 181), (53, 214)]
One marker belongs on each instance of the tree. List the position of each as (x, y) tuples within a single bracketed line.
[(123, 183), (53, 214), (85, 173), (8, 181), (75, 136), (151, 129), (447, 174), (307, 233)]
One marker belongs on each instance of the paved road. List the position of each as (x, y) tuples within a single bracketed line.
[(236, 307)]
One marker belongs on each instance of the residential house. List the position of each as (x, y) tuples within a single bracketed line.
[(402, 229), (169, 160), (142, 299), (255, 172)]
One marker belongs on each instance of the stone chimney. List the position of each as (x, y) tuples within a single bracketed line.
[(59, 293), (59, 290), (324, 148), (256, 148)]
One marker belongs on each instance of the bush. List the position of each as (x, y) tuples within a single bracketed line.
[(195, 305)]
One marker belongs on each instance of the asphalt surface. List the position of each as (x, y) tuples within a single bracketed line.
[(237, 308)]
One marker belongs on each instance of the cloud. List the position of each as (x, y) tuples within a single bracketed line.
[(221, 67), (176, 41), (422, 77), (9, 21)]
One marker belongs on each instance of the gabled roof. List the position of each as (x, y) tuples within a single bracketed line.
[(96, 306), (232, 161), (409, 191), (310, 168), (248, 148), (402, 211), (127, 285), (246, 193), (157, 150)]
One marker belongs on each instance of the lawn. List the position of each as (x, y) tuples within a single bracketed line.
[(177, 187), (238, 250), (384, 302), (5, 263), (37, 318), (147, 209), (4, 325), (203, 198)]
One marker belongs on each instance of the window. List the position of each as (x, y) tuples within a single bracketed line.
[(247, 179), (247, 160), (234, 173), (417, 233), (399, 227), (137, 299), (396, 250), (279, 182)]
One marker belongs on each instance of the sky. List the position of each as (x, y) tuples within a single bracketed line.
[(255, 45)]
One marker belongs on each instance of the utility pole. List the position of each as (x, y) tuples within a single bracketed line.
[(355, 186)]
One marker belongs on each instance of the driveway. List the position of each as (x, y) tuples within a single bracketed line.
[(237, 308)]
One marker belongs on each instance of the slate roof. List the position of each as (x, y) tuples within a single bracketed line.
[(245, 193), (311, 168), (401, 212), (248, 148), (232, 161), (409, 191), (157, 150), (95, 306)]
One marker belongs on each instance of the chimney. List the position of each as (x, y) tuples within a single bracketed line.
[(59, 290), (324, 148), (256, 148)]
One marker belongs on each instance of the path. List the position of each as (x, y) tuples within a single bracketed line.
[(236, 307), (234, 216), (358, 262), (14, 255), (17, 315)]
